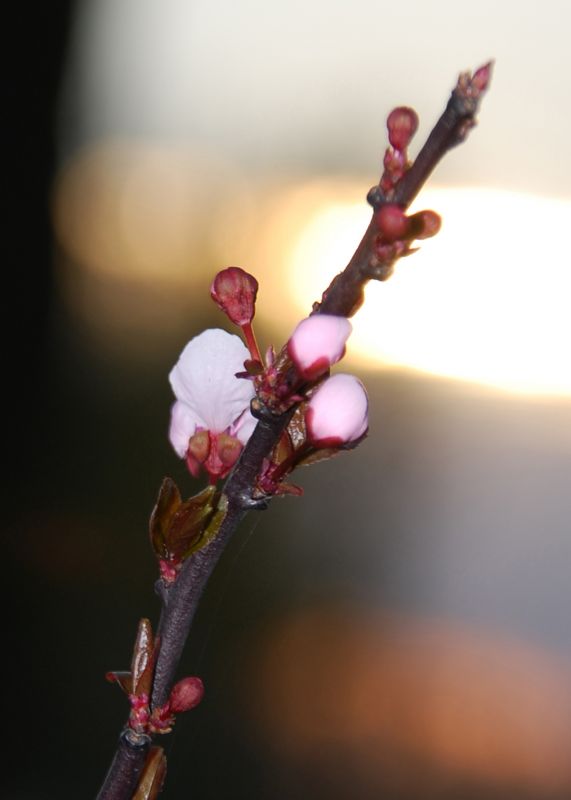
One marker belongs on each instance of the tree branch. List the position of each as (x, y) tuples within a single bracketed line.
[(343, 297)]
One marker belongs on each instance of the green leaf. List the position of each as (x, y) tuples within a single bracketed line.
[(168, 503), (213, 528), (189, 523)]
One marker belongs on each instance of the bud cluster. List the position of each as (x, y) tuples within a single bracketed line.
[(218, 383), (137, 683)]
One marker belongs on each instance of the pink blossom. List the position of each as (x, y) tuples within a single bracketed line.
[(317, 343), (338, 411), (210, 398)]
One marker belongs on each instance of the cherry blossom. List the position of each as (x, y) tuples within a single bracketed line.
[(211, 420), (337, 412), (317, 343)]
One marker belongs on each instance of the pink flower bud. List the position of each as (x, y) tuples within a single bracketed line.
[(402, 123), (186, 694), (234, 292), (481, 78), (317, 343), (338, 412), (392, 222)]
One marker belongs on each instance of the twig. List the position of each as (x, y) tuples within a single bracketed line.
[(342, 298)]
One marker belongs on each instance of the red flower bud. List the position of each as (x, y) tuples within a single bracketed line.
[(392, 221), (186, 694), (234, 292), (402, 123), (481, 78), (425, 224)]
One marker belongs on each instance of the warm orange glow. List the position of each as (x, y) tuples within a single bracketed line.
[(436, 696), (141, 210), (138, 226)]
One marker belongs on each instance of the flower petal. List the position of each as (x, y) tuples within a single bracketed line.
[(244, 426), (182, 426), (338, 411), (317, 343), (204, 379)]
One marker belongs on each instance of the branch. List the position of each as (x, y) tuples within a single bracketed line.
[(125, 770), (345, 293), (374, 259), (182, 600)]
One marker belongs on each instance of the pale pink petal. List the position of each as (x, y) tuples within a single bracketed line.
[(182, 426), (317, 343), (338, 411), (244, 427), (204, 379)]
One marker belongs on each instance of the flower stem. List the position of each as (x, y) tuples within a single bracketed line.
[(251, 342)]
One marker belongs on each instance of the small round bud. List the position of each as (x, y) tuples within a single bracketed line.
[(402, 124), (425, 224), (337, 413), (392, 221), (186, 694), (317, 343), (234, 292)]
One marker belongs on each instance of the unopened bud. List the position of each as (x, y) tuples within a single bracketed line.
[(234, 291), (186, 694), (402, 124), (481, 78), (337, 413), (392, 221), (425, 224), (317, 343)]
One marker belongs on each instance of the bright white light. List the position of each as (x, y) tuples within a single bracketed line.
[(486, 300)]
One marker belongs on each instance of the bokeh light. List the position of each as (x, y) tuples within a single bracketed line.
[(485, 301)]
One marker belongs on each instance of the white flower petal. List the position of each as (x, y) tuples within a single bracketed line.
[(338, 410), (182, 426), (317, 343), (204, 379), (244, 426)]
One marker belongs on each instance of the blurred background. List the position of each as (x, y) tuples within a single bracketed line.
[(404, 629)]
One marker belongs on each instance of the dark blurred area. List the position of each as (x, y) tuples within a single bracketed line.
[(401, 631)]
